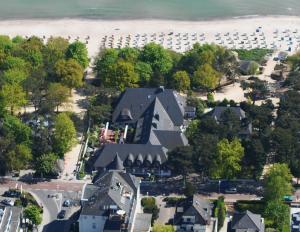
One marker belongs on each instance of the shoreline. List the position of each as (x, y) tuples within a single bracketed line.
[(200, 20), (97, 29)]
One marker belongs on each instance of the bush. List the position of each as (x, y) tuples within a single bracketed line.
[(172, 201), (146, 201), (253, 206), (149, 205), (220, 211), (257, 54)]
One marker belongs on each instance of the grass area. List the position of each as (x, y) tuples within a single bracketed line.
[(256, 54), (253, 206)]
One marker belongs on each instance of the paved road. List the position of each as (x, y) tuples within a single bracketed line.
[(51, 205), (47, 185)]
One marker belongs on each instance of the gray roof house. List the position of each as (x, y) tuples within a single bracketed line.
[(247, 222), (193, 214), (111, 203), (218, 112), (157, 116)]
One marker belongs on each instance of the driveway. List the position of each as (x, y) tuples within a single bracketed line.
[(165, 213)]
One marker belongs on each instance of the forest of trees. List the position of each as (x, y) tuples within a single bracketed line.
[(39, 74), (200, 68)]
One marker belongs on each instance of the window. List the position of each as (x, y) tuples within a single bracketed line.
[(94, 217), (94, 225), (188, 219)]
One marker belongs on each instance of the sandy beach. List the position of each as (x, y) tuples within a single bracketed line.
[(270, 32)]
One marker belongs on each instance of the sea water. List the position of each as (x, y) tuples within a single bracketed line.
[(146, 9)]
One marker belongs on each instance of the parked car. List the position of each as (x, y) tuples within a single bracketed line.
[(61, 214), (67, 203), (7, 202), (231, 190), (12, 193)]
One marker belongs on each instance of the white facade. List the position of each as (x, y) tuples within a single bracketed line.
[(88, 223)]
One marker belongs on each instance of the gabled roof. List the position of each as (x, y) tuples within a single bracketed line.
[(116, 164), (247, 220), (170, 139), (219, 110), (201, 209), (107, 154), (109, 189), (135, 101)]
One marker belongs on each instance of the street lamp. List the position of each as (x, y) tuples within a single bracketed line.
[(219, 185)]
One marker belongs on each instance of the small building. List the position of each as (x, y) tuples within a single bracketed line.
[(219, 114), (10, 218), (249, 67), (193, 215), (247, 222)]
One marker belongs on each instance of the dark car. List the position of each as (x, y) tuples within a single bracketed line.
[(12, 193), (67, 203), (7, 202), (61, 214)]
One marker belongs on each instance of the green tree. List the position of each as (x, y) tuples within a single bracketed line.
[(159, 59), (180, 160), (205, 77), (163, 228), (69, 73), (54, 51), (277, 182), (31, 51), (57, 94), (78, 52), (20, 131), (180, 81), (229, 155), (125, 76), (45, 164), (18, 158), (278, 213), (64, 134), (149, 206), (15, 63), (15, 75), (256, 89), (33, 213), (14, 96), (144, 70), (189, 189), (105, 65), (5, 43), (220, 211)]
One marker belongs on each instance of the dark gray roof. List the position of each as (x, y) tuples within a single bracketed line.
[(171, 139), (112, 188), (135, 101), (195, 206), (247, 220), (107, 154), (219, 110), (116, 164)]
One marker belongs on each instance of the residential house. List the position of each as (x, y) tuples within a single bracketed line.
[(247, 222), (158, 118), (112, 202), (219, 114), (10, 218), (193, 215)]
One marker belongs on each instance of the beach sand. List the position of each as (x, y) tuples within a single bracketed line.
[(97, 29)]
